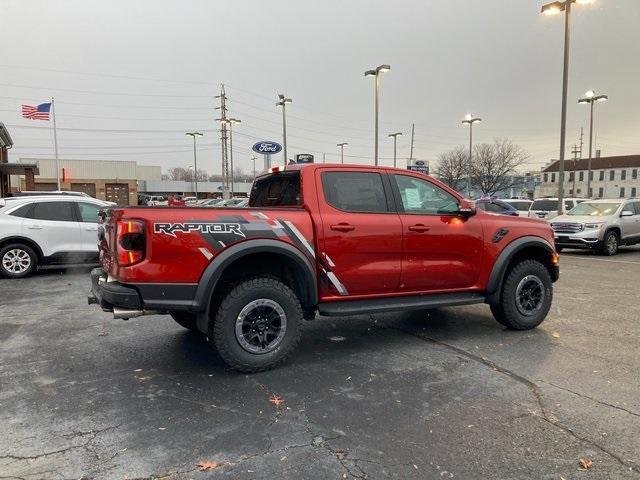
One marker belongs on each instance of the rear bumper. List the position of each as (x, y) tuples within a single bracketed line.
[(111, 294), (139, 296)]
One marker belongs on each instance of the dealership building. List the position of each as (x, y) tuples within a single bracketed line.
[(112, 180)]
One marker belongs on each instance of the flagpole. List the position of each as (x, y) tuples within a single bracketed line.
[(55, 141)]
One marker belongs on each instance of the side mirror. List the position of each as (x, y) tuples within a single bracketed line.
[(467, 208), (626, 213)]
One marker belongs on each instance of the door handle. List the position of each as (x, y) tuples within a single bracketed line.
[(342, 227), (35, 227), (419, 228)]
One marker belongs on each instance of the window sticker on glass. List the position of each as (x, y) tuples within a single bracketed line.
[(412, 198)]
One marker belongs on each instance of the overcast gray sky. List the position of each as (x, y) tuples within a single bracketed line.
[(150, 70)]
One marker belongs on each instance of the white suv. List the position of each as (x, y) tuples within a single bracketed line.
[(547, 208), (47, 230)]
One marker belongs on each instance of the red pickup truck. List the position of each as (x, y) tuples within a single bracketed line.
[(330, 239)]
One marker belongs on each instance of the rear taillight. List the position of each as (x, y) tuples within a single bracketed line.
[(130, 241)]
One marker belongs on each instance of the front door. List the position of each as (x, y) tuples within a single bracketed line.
[(361, 248), (442, 250)]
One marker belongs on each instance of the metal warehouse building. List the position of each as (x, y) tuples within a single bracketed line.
[(116, 181)]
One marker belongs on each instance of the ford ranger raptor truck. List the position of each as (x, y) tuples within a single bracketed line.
[(337, 240)]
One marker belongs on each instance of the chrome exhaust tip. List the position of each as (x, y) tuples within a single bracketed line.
[(126, 314)]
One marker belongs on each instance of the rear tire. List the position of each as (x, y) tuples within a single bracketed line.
[(610, 243), (186, 320), (17, 260), (257, 324), (526, 296)]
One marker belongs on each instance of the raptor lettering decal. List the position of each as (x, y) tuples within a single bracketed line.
[(203, 227)]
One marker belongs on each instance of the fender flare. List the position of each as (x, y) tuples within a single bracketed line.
[(216, 268), (496, 278)]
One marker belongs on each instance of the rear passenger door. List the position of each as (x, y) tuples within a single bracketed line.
[(54, 227), (361, 244)]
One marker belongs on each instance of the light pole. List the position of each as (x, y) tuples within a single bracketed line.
[(470, 120), (376, 73), (341, 145), (283, 103), (253, 159), (591, 98), (555, 8), (395, 139), (195, 160)]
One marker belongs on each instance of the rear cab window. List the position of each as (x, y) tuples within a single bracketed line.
[(355, 191), (277, 190)]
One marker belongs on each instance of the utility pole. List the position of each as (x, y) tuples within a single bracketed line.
[(413, 131), (223, 141), (575, 152)]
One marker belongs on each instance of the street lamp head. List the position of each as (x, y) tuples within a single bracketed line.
[(233, 121), (468, 117), (370, 73), (395, 134), (601, 98), (343, 144), (585, 2), (383, 68), (553, 8), (590, 94), (584, 100)]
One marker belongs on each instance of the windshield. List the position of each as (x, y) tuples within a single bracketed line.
[(594, 209), (522, 206), (546, 205)]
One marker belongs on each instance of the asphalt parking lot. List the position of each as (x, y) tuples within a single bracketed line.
[(442, 394)]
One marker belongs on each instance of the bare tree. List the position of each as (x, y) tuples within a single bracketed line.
[(186, 174), (494, 165), (452, 167)]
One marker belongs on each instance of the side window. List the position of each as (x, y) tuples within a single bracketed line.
[(55, 211), (636, 207), (355, 191), (422, 196), (568, 204), (23, 211), (88, 212)]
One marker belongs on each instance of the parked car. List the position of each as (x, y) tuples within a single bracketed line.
[(496, 206), (47, 230), (547, 208), (211, 202), (157, 200), (334, 239), (602, 225), (231, 202), (522, 205)]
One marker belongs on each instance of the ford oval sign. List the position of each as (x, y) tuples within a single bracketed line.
[(419, 162), (267, 148)]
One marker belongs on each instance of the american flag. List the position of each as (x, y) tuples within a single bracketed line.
[(41, 112)]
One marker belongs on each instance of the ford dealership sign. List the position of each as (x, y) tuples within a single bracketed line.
[(267, 148)]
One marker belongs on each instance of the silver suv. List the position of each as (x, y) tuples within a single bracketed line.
[(602, 225)]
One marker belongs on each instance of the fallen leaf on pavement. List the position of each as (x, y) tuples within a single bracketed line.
[(276, 400), (207, 465), (341, 454), (585, 464), (555, 335)]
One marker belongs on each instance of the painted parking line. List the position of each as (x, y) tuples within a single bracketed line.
[(629, 262)]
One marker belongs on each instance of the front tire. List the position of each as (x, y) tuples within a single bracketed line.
[(610, 243), (526, 296), (17, 260), (257, 324)]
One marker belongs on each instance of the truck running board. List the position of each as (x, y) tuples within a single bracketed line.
[(381, 305)]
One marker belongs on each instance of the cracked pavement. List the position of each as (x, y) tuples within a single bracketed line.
[(447, 393)]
